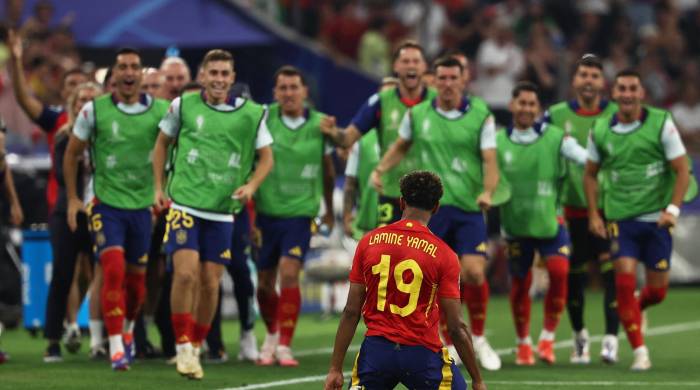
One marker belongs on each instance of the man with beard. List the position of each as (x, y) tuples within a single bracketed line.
[(121, 129), (457, 140), (384, 111), (576, 117), (529, 157), (645, 176)]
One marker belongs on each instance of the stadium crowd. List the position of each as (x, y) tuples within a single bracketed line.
[(166, 179)]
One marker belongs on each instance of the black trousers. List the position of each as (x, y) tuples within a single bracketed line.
[(65, 246)]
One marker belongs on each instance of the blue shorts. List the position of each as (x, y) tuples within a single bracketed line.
[(212, 239), (521, 251), (383, 364), (279, 237), (644, 241), (127, 229), (464, 232)]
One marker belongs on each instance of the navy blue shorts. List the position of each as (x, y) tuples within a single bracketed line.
[(212, 239), (383, 364), (279, 237), (464, 232), (644, 241), (127, 229), (389, 210), (521, 251)]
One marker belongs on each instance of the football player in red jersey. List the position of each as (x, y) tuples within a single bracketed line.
[(400, 274)]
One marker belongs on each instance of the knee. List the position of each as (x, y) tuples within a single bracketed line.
[(656, 294), (473, 275), (289, 279), (185, 277)]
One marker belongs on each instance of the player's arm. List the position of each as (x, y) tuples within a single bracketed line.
[(489, 157), (328, 188), (74, 151), (397, 151), (265, 163), (349, 199), (590, 189), (462, 339), (346, 331), (160, 155), (16, 214), (30, 104), (343, 138), (572, 151), (675, 153)]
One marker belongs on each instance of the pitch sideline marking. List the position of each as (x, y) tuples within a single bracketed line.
[(658, 331)]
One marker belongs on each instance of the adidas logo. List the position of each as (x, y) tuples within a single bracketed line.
[(296, 251)]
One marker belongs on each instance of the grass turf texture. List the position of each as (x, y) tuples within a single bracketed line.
[(674, 356)]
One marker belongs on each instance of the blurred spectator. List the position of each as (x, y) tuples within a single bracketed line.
[(499, 63), (542, 64), (176, 74), (466, 28), (618, 61), (686, 113), (374, 54), (535, 16), (428, 18), (301, 15), (691, 30), (343, 28)]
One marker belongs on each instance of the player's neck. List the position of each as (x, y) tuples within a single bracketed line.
[(631, 116), (447, 104), (414, 214), (411, 94), (293, 113), (589, 105), (521, 126), (130, 99)]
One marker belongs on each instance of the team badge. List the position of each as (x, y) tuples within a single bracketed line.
[(226, 255), (662, 265), (100, 239), (181, 236)]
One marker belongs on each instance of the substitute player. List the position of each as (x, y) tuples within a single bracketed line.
[(645, 176), (360, 199), (458, 141), (530, 158), (401, 276), (211, 177), (285, 204), (576, 117), (121, 129), (383, 112)]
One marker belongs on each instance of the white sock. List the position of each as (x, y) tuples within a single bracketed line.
[(184, 347), (96, 338), (478, 339), (583, 334), (524, 340), (128, 326), (116, 344), (546, 335), (73, 326), (641, 350)]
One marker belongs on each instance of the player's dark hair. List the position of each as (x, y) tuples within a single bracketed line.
[(191, 86), (527, 86), (588, 60), (126, 50), (408, 44), (217, 55), (421, 189), (289, 71), (447, 62), (629, 72), (71, 72)]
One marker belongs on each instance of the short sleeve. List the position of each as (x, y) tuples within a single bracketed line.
[(671, 140), (353, 161), (264, 137), (356, 274), (448, 284), (406, 128), (367, 117), (592, 149), (573, 151), (85, 122), (48, 118), (170, 124), (488, 134)]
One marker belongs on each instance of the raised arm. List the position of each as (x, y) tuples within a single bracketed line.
[(30, 104)]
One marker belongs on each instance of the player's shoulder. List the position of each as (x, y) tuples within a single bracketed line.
[(478, 102), (557, 107)]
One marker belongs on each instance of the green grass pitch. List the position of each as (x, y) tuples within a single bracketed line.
[(674, 342)]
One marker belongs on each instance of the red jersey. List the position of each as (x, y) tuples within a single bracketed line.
[(405, 269)]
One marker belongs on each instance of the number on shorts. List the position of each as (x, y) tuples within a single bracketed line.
[(613, 229), (175, 220), (96, 222), (412, 288)]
